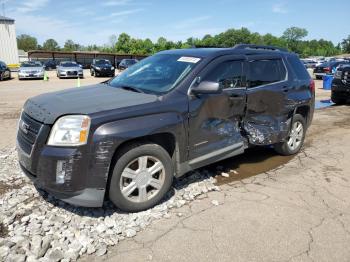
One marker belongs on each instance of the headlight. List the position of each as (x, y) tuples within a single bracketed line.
[(98, 68), (337, 74), (112, 68), (72, 130)]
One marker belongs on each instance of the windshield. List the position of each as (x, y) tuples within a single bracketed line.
[(69, 64), (130, 61), (158, 74), (31, 64), (102, 62)]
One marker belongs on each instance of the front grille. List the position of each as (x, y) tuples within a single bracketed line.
[(72, 73), (27, 133)]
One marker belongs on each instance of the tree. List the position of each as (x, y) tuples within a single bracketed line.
[(293, 36), (27, 42), (123, 43), (345, 45), (69, 45), (51, 45)]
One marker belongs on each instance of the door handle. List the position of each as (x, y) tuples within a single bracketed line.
[(285, 89), (236, 97)]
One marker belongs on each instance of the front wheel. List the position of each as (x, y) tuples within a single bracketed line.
[(296, 138), (141, 177)]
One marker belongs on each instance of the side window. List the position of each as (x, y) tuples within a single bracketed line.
[(263, 72), (298, 68), (228, 74)]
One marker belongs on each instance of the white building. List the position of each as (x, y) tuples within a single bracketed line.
[(8, 42)]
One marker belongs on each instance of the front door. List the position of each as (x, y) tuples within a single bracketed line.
[(267, 118), (214, 119)]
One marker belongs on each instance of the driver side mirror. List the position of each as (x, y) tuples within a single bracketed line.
[(207, 87)]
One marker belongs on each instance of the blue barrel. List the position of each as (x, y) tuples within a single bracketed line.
[(327, 82)]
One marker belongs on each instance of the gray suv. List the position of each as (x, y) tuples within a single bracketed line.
[(178, 110)]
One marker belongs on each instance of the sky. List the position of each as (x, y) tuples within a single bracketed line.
[(93, 21)]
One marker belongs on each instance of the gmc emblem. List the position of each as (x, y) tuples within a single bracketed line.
[(24, 127)]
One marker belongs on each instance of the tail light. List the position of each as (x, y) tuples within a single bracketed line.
[(312, 86), (327, 69)]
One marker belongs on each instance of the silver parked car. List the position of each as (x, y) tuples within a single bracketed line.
[(31, 69), (69, 69)]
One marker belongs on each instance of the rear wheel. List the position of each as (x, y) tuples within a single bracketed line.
[(141, 177), (295, 141)]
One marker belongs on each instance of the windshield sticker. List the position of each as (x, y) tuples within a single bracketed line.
[(188, 59)]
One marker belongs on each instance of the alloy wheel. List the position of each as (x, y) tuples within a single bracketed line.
[(142, 179), (296, 136)]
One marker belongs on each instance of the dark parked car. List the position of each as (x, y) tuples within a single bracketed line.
[(31, 70), (126, 63), (341, 85), (51, 64), (102, 67), (5, 72), (170, 113), (327, 68)]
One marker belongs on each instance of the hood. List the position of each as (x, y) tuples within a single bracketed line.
[(46, 108), (32, 68)]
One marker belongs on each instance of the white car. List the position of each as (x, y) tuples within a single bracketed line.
[(69, 69), (31, 69)]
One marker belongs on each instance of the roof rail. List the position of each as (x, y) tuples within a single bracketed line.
[(264, 47)]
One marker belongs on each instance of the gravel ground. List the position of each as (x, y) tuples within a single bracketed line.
[(36, 226)]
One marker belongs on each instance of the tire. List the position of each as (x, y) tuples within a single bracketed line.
[(124, 186), (338, 101), (92, 72), (1, 77), (319, 77), (292, 146)]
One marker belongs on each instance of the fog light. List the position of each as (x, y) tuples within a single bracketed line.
[(60, 172)]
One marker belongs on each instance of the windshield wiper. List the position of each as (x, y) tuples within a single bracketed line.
[(132, 88)]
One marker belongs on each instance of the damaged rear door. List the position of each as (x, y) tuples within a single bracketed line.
[(267, 118)]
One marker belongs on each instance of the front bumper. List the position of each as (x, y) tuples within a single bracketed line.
[(340, 90), (30, 75), (320, 74), (75, 190), (88, 197), (105, 72)]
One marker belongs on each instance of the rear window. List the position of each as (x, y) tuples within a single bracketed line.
[(298, 68), (263, 72)]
